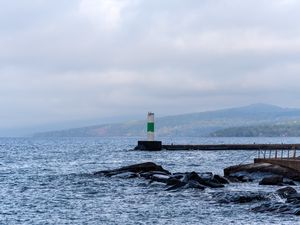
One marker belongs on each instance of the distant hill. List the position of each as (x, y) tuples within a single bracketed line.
[(267, 130), (225, 122)]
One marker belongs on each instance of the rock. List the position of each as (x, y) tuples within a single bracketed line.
[(278, 207), (213, 184), (296, 212), (272, 180), (160, 178), (173, 181), (178, 175), (290, 206), (262, 208), (126, 175), (206, 176), (232, 179), (240, 197), (189, 184), (239, 178), (293, 198), (194, 176), (220, 179), (156, 173), (148, 175), (243, 178), (287, 181), (263, 168), (286, 191), (193, 180), (194, 184), (176, 186), (266, 207), (136, 168)]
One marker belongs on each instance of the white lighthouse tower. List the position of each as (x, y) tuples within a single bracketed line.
[(150, 144), (150, 127)]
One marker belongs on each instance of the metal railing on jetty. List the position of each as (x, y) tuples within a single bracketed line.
[(278, 153)]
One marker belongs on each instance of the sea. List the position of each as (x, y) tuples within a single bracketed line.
[(51, 181)]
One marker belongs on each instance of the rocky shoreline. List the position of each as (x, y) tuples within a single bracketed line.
[(288, 199)]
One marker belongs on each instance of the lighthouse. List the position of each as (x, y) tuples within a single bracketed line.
[(150, 144), (150, 127)]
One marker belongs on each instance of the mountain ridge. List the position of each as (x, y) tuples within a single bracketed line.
[(191, 124)]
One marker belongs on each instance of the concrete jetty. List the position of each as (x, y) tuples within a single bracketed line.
[(211, 147), (291, 163), (158, 146)]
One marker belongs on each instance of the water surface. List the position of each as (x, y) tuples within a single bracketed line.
[(50, 181)]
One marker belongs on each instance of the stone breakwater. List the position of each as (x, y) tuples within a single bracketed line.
[(284, 200)]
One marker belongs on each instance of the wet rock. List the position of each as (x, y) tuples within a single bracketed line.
[(126, 175), (262, 208), (277, 207), (194, 184), (239, 178), (290, 206), (189, 180), (243, 178), (206, 176), (287, 181), (239, 197), (209, 183), (220, 179), (296, 212), (194, 180), (263, 168), (148, 175), (189, 184), (178, 175), (155, 173), (272, 180), (286, 191), (293, 198), (173, 181), (136, 168), (177, 186), (232, 179), (213, 184), (160, 178)]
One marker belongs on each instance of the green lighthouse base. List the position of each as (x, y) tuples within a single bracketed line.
[(149, 146)]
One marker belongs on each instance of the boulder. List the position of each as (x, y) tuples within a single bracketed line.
[(195, 185), (240, 197), (278, 207), (220, 179), (287, 181), (286, 191), (239, 178), (136, 168), (193, 180), (262, 168), (148, 175), (296, 212), (290, 206), (272, 180), (156, 173), (160, 178), (232, 179), (206, 175), (126, 175), (177, 186), (209, 183), (173, 181), (293, 198)]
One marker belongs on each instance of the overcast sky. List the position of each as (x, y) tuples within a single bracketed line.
[(95, 60)]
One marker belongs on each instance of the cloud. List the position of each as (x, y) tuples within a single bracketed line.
[(85, 59), (106, 14)]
